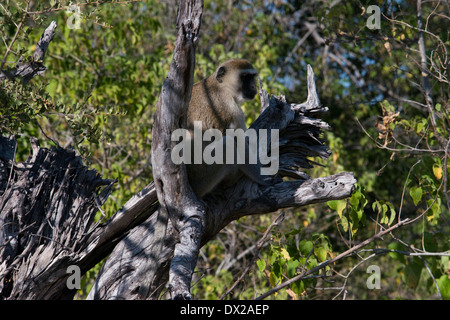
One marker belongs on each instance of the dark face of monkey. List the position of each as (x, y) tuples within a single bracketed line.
[(239, 76), (248, 85)]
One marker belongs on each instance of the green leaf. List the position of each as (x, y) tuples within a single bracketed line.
[(355, 216), (321, 253), (416, 194), (419, 127), (292, 267), (376, 205), (435, 211), (354, 200), (444, 286), (273, 257), (344, 223), (277, 269), (384, 208), (261, 265), (391, 219), (338, 206), (298, 287), (332, 204), (305, 247), (273, 279)]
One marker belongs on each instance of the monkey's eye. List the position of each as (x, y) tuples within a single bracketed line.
[(247, 76)]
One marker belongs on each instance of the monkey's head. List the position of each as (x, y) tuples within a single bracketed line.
[(237, 76)]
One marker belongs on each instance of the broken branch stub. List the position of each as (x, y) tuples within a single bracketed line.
[(29, 69)]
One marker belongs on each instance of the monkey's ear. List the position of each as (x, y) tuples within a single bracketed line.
[(220, 73)]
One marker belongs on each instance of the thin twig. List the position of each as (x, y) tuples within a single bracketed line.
[(432, 277), (409, 150), (444, 169), (351, 271), (404, 189), (261, 243), (330, 261), (8, 50)]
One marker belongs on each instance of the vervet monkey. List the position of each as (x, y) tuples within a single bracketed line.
[(215, 104)]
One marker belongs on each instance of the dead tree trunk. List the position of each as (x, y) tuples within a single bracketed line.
[(26, 70), (47, 208)]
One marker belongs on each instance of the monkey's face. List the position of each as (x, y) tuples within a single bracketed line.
[(248, 85), (237, 77)]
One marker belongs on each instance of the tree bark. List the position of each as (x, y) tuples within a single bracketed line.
[(177, 200), (47, 209), (26, 70)]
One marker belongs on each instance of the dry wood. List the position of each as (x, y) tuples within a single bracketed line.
[(47, 209), (26, 70)]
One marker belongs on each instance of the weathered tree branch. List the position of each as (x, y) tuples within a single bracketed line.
[(29, 69), (47, 209), (178, 201)]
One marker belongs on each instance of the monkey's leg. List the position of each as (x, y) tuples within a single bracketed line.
[(224, 161), (205, 177), (248, 160)]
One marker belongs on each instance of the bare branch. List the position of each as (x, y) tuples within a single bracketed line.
[(259, 246), (330, 261), (29, 69)]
